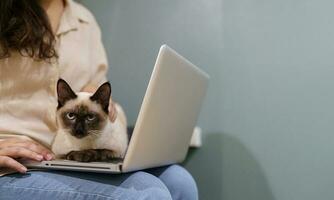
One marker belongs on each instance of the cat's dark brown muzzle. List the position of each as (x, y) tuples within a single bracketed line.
[(79, 131)]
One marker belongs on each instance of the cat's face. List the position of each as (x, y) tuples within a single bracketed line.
[(82, 114)]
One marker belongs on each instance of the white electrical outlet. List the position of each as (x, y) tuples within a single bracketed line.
[(196, 139)]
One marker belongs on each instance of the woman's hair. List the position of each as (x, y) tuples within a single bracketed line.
[(25, 28)]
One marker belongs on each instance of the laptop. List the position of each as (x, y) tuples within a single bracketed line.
[(165, 123)]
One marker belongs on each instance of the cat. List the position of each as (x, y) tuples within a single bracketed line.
[(85, 133)]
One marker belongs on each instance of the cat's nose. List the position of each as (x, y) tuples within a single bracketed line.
[(79, 131), (80, 134)]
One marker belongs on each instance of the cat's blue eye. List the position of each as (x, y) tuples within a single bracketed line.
[(90, 117), (70, 116)]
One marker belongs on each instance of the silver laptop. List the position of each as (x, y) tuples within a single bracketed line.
[(165, 123)]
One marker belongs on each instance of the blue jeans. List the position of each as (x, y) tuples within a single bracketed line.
[(172, 182)]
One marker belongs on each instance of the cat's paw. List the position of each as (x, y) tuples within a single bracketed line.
[(89, 155), (106, 155)]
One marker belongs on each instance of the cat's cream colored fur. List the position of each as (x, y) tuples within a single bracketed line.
[(113, 136)]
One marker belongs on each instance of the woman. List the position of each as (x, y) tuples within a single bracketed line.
[(41, 41)]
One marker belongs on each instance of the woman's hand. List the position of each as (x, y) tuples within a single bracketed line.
[(13, 148), (112, 111)]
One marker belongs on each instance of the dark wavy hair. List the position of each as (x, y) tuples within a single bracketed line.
[(25, 28)]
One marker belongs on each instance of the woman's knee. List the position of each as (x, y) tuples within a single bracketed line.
[(180, 183), (149, 186)]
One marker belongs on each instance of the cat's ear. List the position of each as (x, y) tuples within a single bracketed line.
[(65, 93), (102, 96)]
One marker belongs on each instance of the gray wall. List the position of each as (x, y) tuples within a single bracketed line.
[(268, 116)]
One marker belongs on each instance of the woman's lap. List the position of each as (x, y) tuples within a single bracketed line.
[(179, 182), (79, 185), (44, 185)]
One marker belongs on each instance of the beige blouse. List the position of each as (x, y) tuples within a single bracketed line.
[(28, 88)]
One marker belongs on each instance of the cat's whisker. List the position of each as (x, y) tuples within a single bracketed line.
[(95, 133)]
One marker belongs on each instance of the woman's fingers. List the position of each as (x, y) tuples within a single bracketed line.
[(113, 116), (33, 146), (29, 144), (112, 111), (20, 147), (6, 161), (20, 152)]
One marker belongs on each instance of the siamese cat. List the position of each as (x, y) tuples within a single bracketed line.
[(85, 132)]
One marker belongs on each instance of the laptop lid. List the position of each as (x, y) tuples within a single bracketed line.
[(168, 114)]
